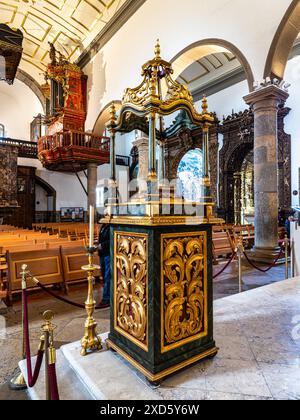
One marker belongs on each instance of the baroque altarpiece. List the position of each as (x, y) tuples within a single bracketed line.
[(232, 165)]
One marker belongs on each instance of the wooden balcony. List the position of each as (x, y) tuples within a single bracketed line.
[(72, 151)]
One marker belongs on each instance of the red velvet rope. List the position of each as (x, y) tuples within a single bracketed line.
[(269, 268), (53, 383), (226, 266), (30, 379), (67, 301)]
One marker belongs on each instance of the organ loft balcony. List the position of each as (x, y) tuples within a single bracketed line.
[(72, 151), (66, 147)]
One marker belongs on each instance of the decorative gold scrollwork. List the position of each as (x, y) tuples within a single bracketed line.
[(131, 284), (184, 289)]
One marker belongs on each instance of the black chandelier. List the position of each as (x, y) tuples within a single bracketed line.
[(10, 52)]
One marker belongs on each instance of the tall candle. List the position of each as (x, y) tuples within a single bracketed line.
[(92, 225)]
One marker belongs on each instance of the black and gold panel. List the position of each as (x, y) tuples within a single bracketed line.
[(131, 287), (161, 296), (183, 289)]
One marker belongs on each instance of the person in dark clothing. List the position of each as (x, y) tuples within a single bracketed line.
[(104, 254)]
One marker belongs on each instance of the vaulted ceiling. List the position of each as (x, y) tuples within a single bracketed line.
[(70, 24), (211, 69)]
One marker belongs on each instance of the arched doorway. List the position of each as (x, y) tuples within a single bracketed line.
[(45, 201), (231, 180), (283, 42), (190, 175), (245, 195)]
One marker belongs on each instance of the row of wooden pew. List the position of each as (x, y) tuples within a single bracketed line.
[(71, 230), (57, 266), (225, 238), (50, 258)]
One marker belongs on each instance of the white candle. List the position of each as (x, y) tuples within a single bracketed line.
[(92, 226)]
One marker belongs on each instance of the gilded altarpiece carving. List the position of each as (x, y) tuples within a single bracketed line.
[(131, 287), (184, 289), (238, 142)]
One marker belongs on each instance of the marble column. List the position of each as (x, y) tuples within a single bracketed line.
[(142, 144), (265, 103), (92, 184)]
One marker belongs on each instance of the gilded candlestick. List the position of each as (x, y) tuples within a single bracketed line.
[(90, 340)]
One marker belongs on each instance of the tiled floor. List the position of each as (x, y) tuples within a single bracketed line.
[(70, 322)]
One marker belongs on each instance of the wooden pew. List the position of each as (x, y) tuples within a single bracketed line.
[(73, 260), (66, 244), (46, 265), (222, 245)]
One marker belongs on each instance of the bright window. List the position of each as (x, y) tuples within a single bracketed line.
[(190, 174)]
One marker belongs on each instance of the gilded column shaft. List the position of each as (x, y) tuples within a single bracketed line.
[(152, 175), (206, 152), (113, 157)]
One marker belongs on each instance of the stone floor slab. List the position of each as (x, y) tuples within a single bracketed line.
[(106, 376)]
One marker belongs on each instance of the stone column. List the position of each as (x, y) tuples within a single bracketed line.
[(142, 145), (265, 103), (92, 184)]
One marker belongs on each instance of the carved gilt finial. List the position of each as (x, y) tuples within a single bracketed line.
[(204, 105), (157, 50), (113, 114)]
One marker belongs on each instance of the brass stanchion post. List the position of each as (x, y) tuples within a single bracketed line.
[(50, 353), (18, 383), (286, 246), (240, 251), (90, 341)]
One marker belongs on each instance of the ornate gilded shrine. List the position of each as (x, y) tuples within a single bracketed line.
[(161, 245), (66, 146)]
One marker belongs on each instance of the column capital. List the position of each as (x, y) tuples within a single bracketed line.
[(269, 96), (141, 141)]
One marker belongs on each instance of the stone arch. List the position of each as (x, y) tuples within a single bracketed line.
[(205, 47), (33, 85), (104, 116), (283, 42)]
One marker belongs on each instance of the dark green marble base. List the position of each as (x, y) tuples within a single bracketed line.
[(154, 360)]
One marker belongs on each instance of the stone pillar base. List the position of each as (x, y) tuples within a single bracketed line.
[(266, 255)]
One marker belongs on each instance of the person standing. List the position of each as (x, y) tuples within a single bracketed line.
[(104, 254)]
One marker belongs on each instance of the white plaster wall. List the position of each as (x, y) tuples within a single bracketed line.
[(18, 106), (292, 75), (250, 26), (69, 192), (227, 100)]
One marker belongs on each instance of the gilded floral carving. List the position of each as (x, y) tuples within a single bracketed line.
[(184, 289), (131, 283)]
